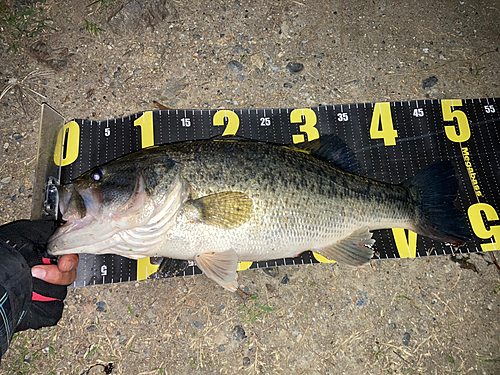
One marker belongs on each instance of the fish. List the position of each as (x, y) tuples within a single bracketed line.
[(221, 201)]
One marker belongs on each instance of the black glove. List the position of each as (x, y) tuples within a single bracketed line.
[(29, 239)]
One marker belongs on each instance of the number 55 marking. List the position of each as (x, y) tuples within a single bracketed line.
[(306, 117)]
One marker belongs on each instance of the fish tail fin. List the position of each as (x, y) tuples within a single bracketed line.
[(435, 189)]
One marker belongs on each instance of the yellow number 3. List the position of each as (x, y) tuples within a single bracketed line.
[(306, 117)]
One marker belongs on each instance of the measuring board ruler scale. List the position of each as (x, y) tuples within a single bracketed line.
[(392, 142)]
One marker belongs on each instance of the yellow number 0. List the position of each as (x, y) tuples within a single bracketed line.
[(309, 119), (479, 227), (463, 122), (68, 144), (233, 121)]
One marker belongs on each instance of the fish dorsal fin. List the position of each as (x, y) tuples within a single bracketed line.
[(228, 209), (220, 267), (331, 148), (351, 250)]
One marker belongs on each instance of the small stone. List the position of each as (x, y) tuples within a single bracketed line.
[(238, 49), (429, 82), (102, 307), (295, 68), (285, 280), (239, 333), (273, 271), (197, 324), (6, 180), (91, 328), (106, 79), (6, 145), (235, 66), (222, 348), (287, 85), (406, 338), (246, 361)]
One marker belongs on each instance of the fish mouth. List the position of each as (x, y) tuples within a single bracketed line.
[(78, 210), (76, 204)]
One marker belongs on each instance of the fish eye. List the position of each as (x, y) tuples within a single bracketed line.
[(96, 175)]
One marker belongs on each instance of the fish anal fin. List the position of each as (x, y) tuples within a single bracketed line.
[(351, 250), (220, 267), (229, 209)]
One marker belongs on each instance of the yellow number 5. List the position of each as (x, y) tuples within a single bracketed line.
[(463, 122)]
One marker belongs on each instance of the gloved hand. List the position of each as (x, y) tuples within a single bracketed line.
[(29, 239)]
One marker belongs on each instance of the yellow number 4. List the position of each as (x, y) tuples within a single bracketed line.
[(382, 126)]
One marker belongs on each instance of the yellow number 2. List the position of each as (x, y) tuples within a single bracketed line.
[(307, 117), (228, 118)]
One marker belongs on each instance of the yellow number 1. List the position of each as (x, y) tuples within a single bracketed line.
[(145, 122)]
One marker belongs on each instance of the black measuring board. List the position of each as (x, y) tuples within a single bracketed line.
[(393, 141)]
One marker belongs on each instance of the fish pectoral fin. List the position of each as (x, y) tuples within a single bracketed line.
[(351, 250), (228, 210), (220, 267)]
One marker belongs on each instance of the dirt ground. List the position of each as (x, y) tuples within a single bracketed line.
[(102, 60)]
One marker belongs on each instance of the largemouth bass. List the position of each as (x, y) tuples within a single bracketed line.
[(218, 202)]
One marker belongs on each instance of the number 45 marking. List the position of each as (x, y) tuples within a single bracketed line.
[(418, 112)]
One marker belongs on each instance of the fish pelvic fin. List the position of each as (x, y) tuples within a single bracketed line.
[(220, 267), (435, 190), (351, 250), (228, 210)]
